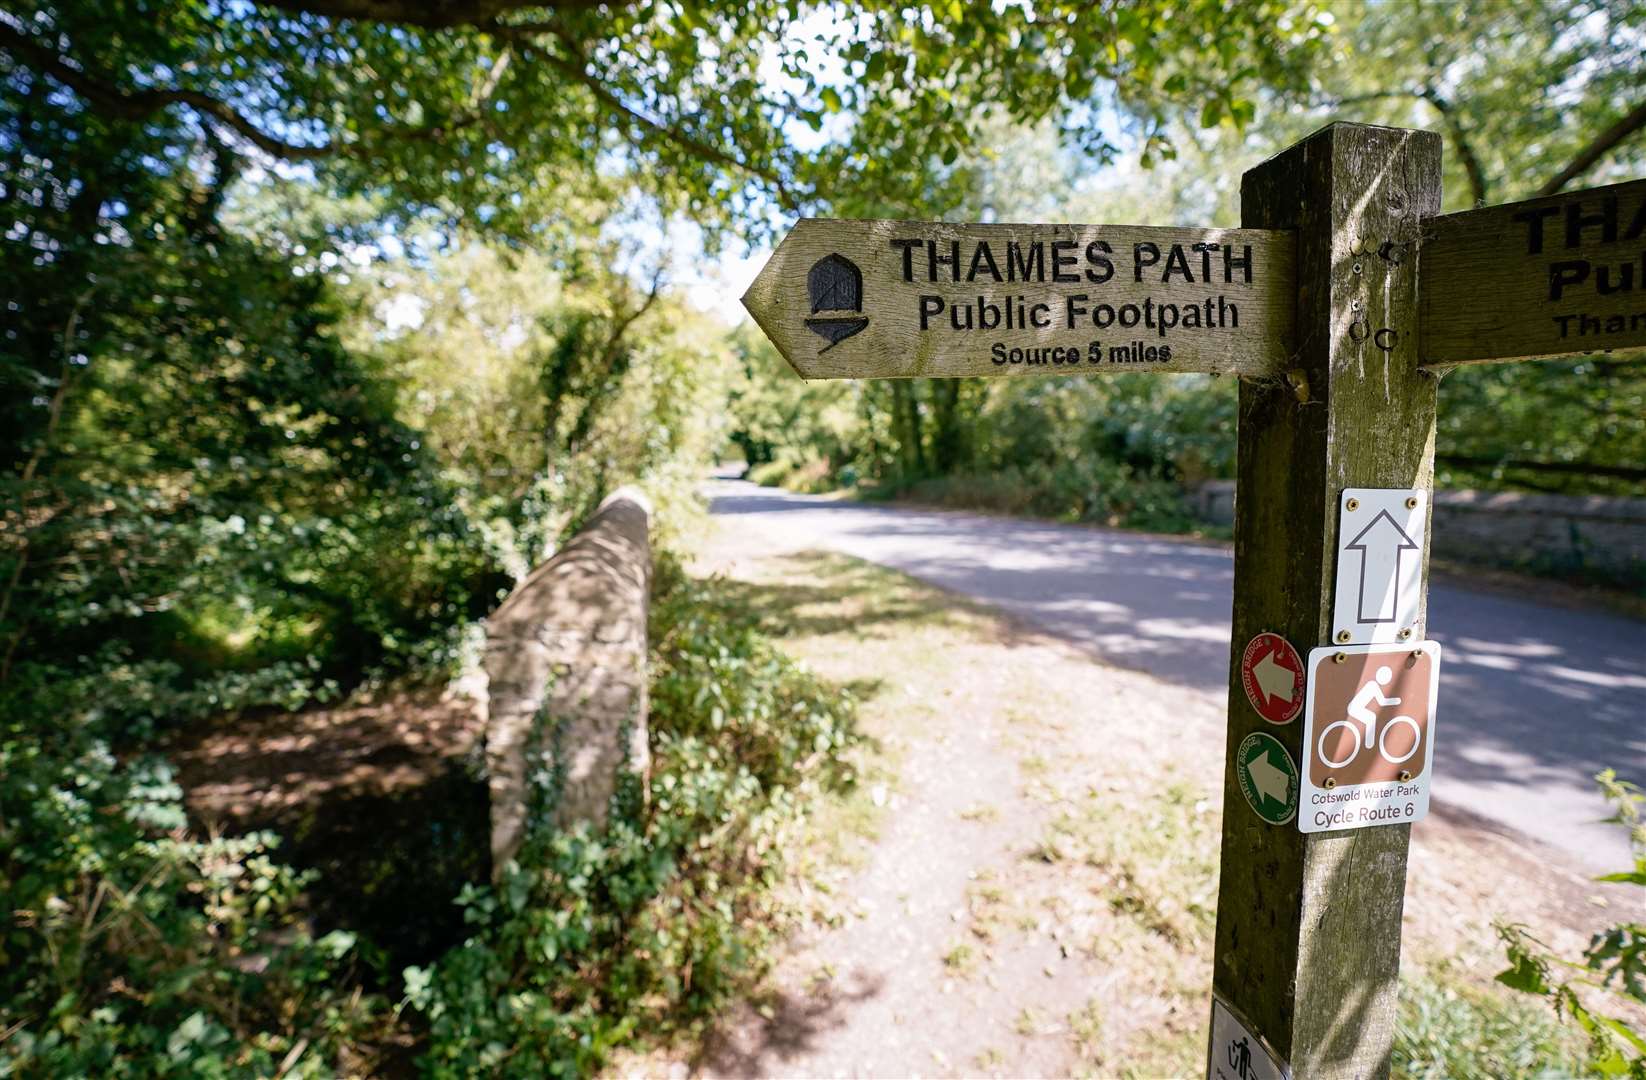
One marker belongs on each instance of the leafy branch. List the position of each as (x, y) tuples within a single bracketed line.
[(104, 95), (1615, 960), (1602, 144), (575, 65)]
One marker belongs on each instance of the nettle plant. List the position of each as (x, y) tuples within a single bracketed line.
[(1612, 967)]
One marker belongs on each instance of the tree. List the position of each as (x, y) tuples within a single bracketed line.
[(496, 109), (1530, 97)]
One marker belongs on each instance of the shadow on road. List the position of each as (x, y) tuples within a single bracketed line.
[(1535, 698)]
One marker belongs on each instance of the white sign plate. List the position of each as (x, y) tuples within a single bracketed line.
[(1368, 736), (1237, 1052), (1380, 558)]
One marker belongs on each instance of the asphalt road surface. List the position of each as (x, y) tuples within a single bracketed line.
[(1534, 698)]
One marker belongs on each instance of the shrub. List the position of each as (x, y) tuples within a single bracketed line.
[(1448, 1030), (590, 939), (1094, 490), (132, 949), (770, 474), (1614, 964)]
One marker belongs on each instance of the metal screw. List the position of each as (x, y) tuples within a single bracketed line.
[(1411, 502), (1406, 633), (1342, 637), (1352, 505), (1405, 775), (1331, 782), (1354, 305), (1417, 653), (1356, 268), (1340, 658)]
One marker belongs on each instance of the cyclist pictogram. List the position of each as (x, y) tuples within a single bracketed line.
[(1341, 743), (1368, 735)]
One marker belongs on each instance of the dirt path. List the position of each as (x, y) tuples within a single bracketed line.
[(1034, 893), (379, 795)]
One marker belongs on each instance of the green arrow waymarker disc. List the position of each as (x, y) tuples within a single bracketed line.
[(1268, 778)]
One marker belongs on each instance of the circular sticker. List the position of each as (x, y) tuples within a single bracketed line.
[(1268, 777), (1272, 673)]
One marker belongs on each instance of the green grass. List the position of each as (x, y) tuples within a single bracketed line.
[(1448, 1029), (1160, 859), (961, 959)]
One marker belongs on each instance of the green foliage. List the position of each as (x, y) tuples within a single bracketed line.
[(539, 390), (132, 949), (1517, 90), (1550, 424), (204, 472), (510, 115), (1091, 490), (1120, 450), (226, 490), (805, 476), (1448, 1030), (1613, 964), (590, 940)]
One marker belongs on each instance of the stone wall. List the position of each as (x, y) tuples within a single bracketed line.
[(566, 668), (1597, 538)]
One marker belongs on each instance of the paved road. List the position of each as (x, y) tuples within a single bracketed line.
[(1534, 700)]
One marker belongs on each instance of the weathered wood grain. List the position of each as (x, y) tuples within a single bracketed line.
[(1308, 927), (1094, 290), (1546, 277)]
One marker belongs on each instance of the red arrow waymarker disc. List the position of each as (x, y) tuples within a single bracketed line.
[(1272, 673)]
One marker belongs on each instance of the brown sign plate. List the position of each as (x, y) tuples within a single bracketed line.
[(1368, 735), (1388, 692)]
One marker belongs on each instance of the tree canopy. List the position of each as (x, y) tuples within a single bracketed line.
[(501, 111)]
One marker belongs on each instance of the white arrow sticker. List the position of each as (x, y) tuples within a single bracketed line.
[(1275, 681), (1380, 539), (1270, 780)]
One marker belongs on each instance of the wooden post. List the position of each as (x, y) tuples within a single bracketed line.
[(1308, 926)]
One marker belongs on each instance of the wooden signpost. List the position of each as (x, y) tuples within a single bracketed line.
[(900, 299), (1566, 274), (1336, 302)]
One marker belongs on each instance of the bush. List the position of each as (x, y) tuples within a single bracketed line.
[(133, 949), (591, 939), (809, 476), (1612, 967), (770, 474), (1094, 490), (1451, 1031)]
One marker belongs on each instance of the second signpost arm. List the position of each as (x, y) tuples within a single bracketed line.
[(1308, 928)]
